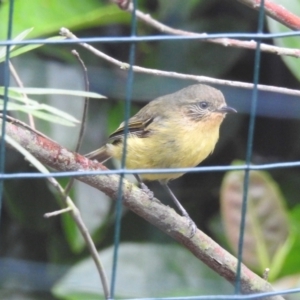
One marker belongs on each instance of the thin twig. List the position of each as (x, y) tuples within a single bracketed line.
[(75, 214), (84, 114), (20, 84), (146, 18), (277, 12), (86, 101), (65, 32), (57, 212), (266, 274), (70, 206)]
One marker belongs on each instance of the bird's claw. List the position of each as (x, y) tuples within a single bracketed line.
[(192, 226), (147, 191)]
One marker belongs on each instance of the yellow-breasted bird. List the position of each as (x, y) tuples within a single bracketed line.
[(177, 130)]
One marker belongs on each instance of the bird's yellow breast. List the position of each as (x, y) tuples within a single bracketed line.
[(178, 144)]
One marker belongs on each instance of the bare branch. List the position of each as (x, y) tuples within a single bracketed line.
[(76, 216), (84, 113), (146, 18), (86, 100), (163, 217), (65, 32), (57, 212), (277, 12)]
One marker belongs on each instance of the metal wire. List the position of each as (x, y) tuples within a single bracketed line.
[(137, 39), (259, 36), (4, 111), (123, 160), (152, 171), (227, 297), (249, 150)]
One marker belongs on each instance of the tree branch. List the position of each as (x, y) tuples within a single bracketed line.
[(226, 42), (204, 79), (163, 217), (277, 12)]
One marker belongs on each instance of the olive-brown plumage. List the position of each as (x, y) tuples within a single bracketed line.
[(178, 130)]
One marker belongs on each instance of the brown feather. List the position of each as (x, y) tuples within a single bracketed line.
[(135, 127), (100, 155)]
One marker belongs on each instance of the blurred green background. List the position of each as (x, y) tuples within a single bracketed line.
[(46, 258)]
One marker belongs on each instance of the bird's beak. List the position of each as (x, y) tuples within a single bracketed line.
[(226, 109)]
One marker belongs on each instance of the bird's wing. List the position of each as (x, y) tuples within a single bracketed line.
[(136, 127)]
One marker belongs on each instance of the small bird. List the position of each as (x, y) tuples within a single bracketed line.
[(178, 130)]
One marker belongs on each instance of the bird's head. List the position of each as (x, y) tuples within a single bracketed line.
[(203, 102)]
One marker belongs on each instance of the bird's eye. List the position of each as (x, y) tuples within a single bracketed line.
[(203, 105)]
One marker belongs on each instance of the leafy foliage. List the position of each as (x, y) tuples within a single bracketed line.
[(49, 16), (272, 237)]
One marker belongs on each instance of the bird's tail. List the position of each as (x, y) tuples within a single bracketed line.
[(101, 155)]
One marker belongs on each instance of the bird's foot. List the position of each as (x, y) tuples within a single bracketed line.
[(147, 191), (192, 226)]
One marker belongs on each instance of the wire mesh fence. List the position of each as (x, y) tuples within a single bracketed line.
[(67, 164)]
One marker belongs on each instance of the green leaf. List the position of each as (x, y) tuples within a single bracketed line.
[(141, 270), (290, 42), (44, 111), (267, 225), (54, 111), (49, 91), (34, 111), (292, 261), (33, 105), (281, 255), (49, 16), (23, 49), (48, 117), (19, 37)]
